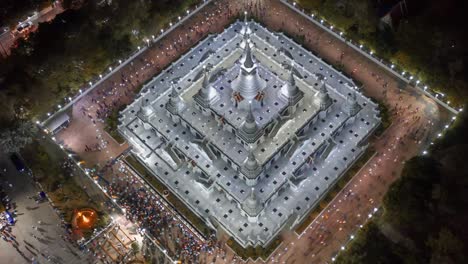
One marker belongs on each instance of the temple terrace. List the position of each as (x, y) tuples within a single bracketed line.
[(250, 130)]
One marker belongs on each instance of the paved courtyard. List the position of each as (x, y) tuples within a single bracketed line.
[(38, 229), (415, 119), (306, 137)]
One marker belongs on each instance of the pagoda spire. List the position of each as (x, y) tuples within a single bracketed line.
[(248, 62), (251, 163), (250, 126), (207, 93), (252, 206), (175, 104), (352, 107), (245, 25), (325, 100), (290, 91)]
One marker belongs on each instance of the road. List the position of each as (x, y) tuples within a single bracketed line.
[(416, 119), (7, 39), (38, 229)]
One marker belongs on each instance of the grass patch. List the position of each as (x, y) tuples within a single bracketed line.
[(254, 252), (173, 200), (112, 121), (385, 118), (349, 174)]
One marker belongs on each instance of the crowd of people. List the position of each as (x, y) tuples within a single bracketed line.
[(141, 206), (6, 216), (154, 217)]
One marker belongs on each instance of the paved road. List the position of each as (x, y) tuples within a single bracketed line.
[(38, 240), (7, 39)]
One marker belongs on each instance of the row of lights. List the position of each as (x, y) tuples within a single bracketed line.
[(145, 40), (439, 135), (409, 78), (351, 237), (424, 152), (392, 66), (86, 171), (80, 91)]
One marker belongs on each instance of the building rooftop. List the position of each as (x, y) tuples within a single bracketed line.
[(246, 134)]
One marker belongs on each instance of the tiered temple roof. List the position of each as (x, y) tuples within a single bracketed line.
[(225, 142)]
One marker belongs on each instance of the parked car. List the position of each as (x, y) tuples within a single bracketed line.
[(24, 26), (10, 218)]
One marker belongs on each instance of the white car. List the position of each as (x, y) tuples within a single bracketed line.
[(23, 26)]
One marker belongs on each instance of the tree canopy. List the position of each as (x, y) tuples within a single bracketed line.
[(16, 137), (430, 42), (427, 206), (76, 46)]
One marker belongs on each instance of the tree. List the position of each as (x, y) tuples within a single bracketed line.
[(446, 248), (370, 246), (14, 138)]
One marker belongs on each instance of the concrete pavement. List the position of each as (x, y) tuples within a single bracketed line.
[(416, 119), (38, 229)]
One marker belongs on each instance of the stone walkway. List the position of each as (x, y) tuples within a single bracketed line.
[(416, 119)]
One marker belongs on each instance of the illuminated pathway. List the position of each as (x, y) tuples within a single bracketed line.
[(414, 117)]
